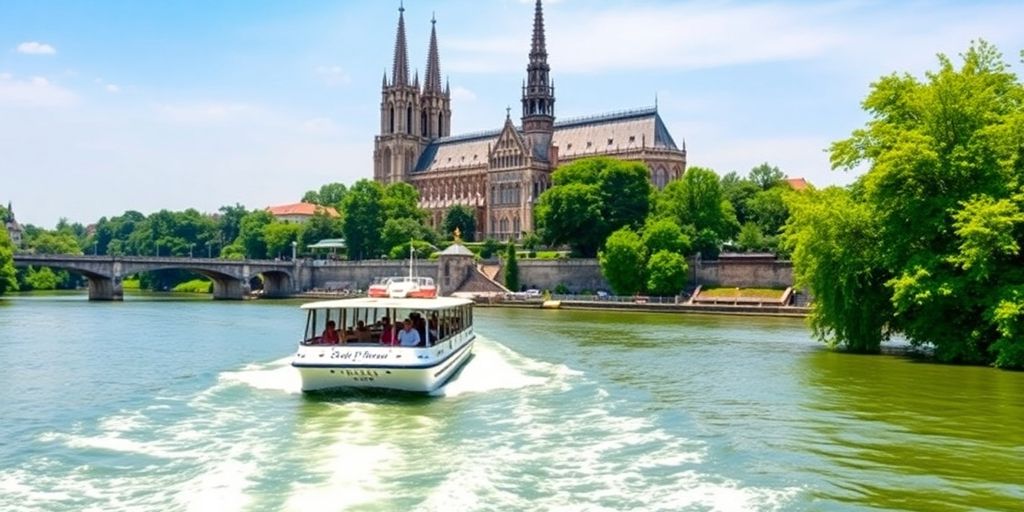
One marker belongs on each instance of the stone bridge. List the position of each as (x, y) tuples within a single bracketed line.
[(230, 277)]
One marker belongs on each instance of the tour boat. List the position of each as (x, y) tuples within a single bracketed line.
[(402, 287), (359, 359)]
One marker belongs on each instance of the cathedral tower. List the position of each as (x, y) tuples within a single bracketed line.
[(401, 137), (435, 119), (538, 90)]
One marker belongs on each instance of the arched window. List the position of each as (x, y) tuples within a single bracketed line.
[(423, 124), (440, 125), (408, 120), (391, 121)]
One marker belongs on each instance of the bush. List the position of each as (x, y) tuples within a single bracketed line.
[(562, 289), (194, 286)]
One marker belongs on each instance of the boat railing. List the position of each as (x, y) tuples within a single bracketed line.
[(622, 299)]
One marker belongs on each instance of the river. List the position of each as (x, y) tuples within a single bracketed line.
[(182, 404)]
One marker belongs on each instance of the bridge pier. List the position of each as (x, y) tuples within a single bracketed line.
[(228, 289), (104, 288), (277, 285)]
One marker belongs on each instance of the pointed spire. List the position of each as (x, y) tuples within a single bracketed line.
[(433, 79), (384, 83), (447, 87), (416, 80), (539, 47), (400, 69)]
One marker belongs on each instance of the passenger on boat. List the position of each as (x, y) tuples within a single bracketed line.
[(330, 335), (432, 328), (420, 325), (363, 333), (408, 337), (387, 334)]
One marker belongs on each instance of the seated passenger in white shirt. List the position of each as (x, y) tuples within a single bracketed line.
[(408, 337)]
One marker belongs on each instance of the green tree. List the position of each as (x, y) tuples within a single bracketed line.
[(738, 191), (250, 234), (836, 250), (399, 232), (697, 201), (489, 248), (666, 273), (511, 268), (623, 262), (768, 209), (363, 219), (229, 223), (278, 236), (320, 227), (766, 176), (401, 201), (665, 235), (751, 238), (463, 218), (55, 242), (571, 214), (8, 279), (41, 279), (331, 194)]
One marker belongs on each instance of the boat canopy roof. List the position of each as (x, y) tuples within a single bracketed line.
[(418, 304)]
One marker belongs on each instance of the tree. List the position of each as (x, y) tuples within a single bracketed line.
[(697, 201), (489, 248), (399, 232), (229, 224), (401, 201), (665, 235), (666, 273), (511, 268), (591, 198), (738, 191), (463, 218), (623, 262), (571, 214), (320, 227), (751, 238), (331, 194), (363, 219), (8, 281), (837, 257), (278, 237), (766, 176), (927, 243), (250, 234)]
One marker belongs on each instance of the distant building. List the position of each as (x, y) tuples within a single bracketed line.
[(299, 213), (501, 173), (13, 228), (797, 183)]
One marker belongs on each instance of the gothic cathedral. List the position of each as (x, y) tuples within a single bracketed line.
[(501, 173)]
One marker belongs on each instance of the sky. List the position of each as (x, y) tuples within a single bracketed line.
[(107, 106)]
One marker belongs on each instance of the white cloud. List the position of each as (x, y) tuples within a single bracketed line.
[(112, 89), (333, 75), (36, 91), (463, 94), (36, 48)]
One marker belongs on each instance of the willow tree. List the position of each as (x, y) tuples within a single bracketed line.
[(929, 242)]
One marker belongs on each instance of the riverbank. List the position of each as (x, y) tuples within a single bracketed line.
[(705, 309)]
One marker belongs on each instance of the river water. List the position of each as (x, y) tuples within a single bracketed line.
[(171, 404)]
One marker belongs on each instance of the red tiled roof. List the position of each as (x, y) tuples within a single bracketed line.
[(797, 183), (307, 209)]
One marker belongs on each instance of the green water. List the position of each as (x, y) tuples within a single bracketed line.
[(156, 404)]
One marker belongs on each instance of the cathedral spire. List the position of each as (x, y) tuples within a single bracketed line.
[(539, 49), (538, 90), (400, 69), (433, 79)]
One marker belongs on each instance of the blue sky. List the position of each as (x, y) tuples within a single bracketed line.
[(113, 105)]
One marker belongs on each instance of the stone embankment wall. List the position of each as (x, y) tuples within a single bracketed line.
[(576, 274), (744, 274)]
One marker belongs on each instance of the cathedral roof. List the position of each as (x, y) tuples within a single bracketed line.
[(591, 135)]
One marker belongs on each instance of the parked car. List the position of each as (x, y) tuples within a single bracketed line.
[(532, 293)]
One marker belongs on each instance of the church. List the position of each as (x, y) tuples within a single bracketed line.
[(501, 173)]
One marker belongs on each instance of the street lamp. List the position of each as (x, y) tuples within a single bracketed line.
[(209, 250), (294, 246), (157, 248), (190, 246), (95, 248)]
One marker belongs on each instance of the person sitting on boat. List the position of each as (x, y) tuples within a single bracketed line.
[(420, 325), (433, 328), (387, 334), (408, 337), (363, 332), (330, 335)]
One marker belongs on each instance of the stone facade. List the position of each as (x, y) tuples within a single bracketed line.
[(501, 173)]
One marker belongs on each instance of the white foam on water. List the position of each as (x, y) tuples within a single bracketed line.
[(276, 376), (495, 366)]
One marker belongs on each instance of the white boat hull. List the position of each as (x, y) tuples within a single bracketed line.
[(382, 367)]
